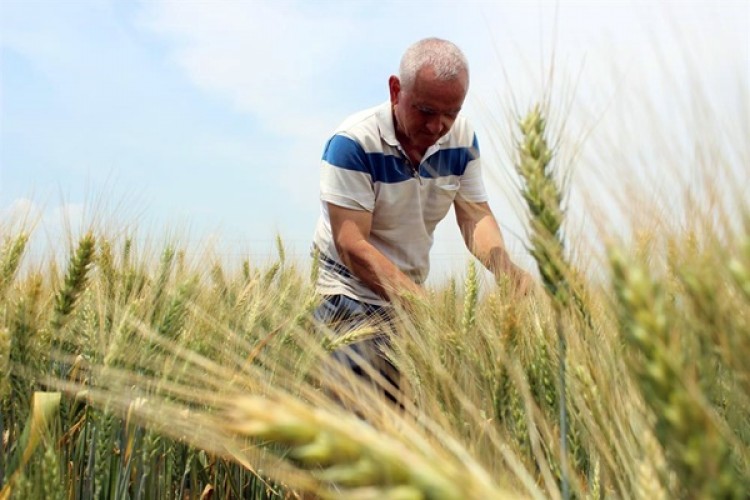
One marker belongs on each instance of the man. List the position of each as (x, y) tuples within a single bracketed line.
[(389, 175)]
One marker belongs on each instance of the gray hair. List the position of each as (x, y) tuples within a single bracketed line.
[(441, 55)]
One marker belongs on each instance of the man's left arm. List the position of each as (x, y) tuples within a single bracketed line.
[(483, 238)]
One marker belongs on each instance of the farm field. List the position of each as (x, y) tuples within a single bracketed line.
[(134, 369)]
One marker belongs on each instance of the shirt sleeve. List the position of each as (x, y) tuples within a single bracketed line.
[(346, 180), (472, 185)]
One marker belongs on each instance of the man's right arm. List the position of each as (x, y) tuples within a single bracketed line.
[(351, 229)]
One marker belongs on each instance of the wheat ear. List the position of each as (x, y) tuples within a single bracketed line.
[(11, 260), (75, 281), (685, 427)]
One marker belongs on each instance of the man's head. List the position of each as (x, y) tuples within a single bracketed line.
[(429, 92)]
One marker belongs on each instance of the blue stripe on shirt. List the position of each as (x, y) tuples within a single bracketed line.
[(451, 161), (346, 153), (343, 152)]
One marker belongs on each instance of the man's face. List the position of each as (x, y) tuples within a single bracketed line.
[(426, 110)]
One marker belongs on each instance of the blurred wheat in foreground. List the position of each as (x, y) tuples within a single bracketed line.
[(133, 373)]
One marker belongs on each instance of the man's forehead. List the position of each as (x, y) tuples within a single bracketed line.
[(444, 96), (436, 105)]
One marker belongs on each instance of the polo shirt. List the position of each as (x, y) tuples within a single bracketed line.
[(364, 168)]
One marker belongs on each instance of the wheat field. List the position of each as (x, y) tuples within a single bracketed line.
[(145, 370)]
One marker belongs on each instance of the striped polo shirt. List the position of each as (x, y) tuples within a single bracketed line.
[(365, 168)]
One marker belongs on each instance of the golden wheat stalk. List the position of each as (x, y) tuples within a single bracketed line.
[(316, 447)]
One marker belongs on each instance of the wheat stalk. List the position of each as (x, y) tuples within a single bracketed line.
[(471, 298), (546, 216), (75, 281), (543, 199), (12, 253), (5, 352), (163, 277), (323, 450), (685, 426)]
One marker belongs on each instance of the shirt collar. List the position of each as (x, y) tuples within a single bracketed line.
[(386, 125)]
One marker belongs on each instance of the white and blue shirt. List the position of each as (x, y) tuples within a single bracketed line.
[(364, 168)]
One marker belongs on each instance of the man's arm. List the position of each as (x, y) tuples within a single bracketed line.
[(483, 238), (351, 229)]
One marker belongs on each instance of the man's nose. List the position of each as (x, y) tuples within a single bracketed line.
[(435, 125)]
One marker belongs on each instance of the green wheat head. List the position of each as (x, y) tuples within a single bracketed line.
[(11, 259), (685, 426), (543, 199), (75, 281)]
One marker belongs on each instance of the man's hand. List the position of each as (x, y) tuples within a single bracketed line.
[(521, 282)]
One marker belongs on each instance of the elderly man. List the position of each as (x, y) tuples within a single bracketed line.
[(389, 175)]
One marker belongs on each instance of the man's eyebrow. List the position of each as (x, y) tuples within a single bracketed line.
[(424, 107)]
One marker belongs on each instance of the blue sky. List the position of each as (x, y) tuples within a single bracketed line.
[(211, 116)]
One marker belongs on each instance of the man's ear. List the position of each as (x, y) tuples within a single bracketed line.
[(394, 86)]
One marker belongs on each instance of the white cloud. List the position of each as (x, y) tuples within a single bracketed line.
[(268, 59)]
